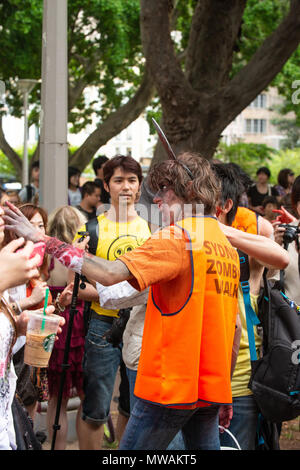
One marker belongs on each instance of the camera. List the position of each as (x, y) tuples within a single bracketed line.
[(115, 333), (290, 234)]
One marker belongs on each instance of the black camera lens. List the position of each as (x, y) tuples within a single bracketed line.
[(290, 234)]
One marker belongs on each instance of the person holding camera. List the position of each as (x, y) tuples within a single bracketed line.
[(286, 234)]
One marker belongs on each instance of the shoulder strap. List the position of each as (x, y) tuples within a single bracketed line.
[(92, 227), (251, 317), (29, 192)]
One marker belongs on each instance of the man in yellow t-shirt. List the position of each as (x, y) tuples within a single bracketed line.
[(120, 230)]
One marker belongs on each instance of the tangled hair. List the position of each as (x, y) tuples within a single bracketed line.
[(64, 222), (203, 189)]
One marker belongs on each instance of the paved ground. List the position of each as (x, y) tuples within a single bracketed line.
[(73, 444)]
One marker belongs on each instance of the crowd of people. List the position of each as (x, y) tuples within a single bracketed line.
[(159, 300)]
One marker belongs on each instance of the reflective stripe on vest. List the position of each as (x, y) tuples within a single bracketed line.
[(190, 324)]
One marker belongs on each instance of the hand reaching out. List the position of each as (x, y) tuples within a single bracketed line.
[(17, 267), (19, 224)]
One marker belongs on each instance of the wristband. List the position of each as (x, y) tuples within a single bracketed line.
[(68, 255)]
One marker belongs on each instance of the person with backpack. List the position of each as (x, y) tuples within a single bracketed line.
[(286, 234), (245, 410), (30, 192)]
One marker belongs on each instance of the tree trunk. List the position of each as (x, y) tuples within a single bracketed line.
[(12, 156), (115, 123), (199, 102)]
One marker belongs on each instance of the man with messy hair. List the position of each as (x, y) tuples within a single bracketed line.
[(184, 373)]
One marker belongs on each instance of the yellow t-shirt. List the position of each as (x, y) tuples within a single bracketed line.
[(116, 239), (242, 371)]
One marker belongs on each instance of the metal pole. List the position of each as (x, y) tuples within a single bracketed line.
[(54, 114), (25, 149)]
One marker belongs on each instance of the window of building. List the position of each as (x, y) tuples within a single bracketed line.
[(260, 101), (255, 126)]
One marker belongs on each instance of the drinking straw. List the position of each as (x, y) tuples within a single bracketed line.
[(45, 306)]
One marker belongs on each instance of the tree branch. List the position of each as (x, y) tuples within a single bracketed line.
[(172, 86), (75, 91), (265, 64), (115, 123), (213, 34), (9, 151)]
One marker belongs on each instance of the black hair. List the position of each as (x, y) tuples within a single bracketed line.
[(242, 175), (72, 171), (264, 170), (270, 200), (126, 162), (295, 194), (282, 177), (98, 162), (231, 187), (35, 164), (88, 188)]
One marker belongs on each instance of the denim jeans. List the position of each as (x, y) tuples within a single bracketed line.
[(131, 374), (153, 427), (177, 443), (243, 424), (100, 365)]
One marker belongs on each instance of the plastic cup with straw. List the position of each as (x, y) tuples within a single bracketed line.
[(45, 306)]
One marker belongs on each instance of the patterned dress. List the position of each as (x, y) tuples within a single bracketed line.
[(7, 384)]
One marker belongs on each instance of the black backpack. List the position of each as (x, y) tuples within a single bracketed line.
[(26, 438), (275, 377)]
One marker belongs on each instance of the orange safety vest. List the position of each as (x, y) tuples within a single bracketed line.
[(190, 324), (246, 220)]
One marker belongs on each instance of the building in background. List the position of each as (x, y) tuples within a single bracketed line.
[(253, 124)]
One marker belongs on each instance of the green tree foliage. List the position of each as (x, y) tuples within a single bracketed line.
[(289, 158), (103, 48), (248, 156), (252, 156), (105, 52)]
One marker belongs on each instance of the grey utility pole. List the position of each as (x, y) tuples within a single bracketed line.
[(53, 144), (25, 86)]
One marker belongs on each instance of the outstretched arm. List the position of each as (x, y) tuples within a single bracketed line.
[(263, 249), (74, 258)]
